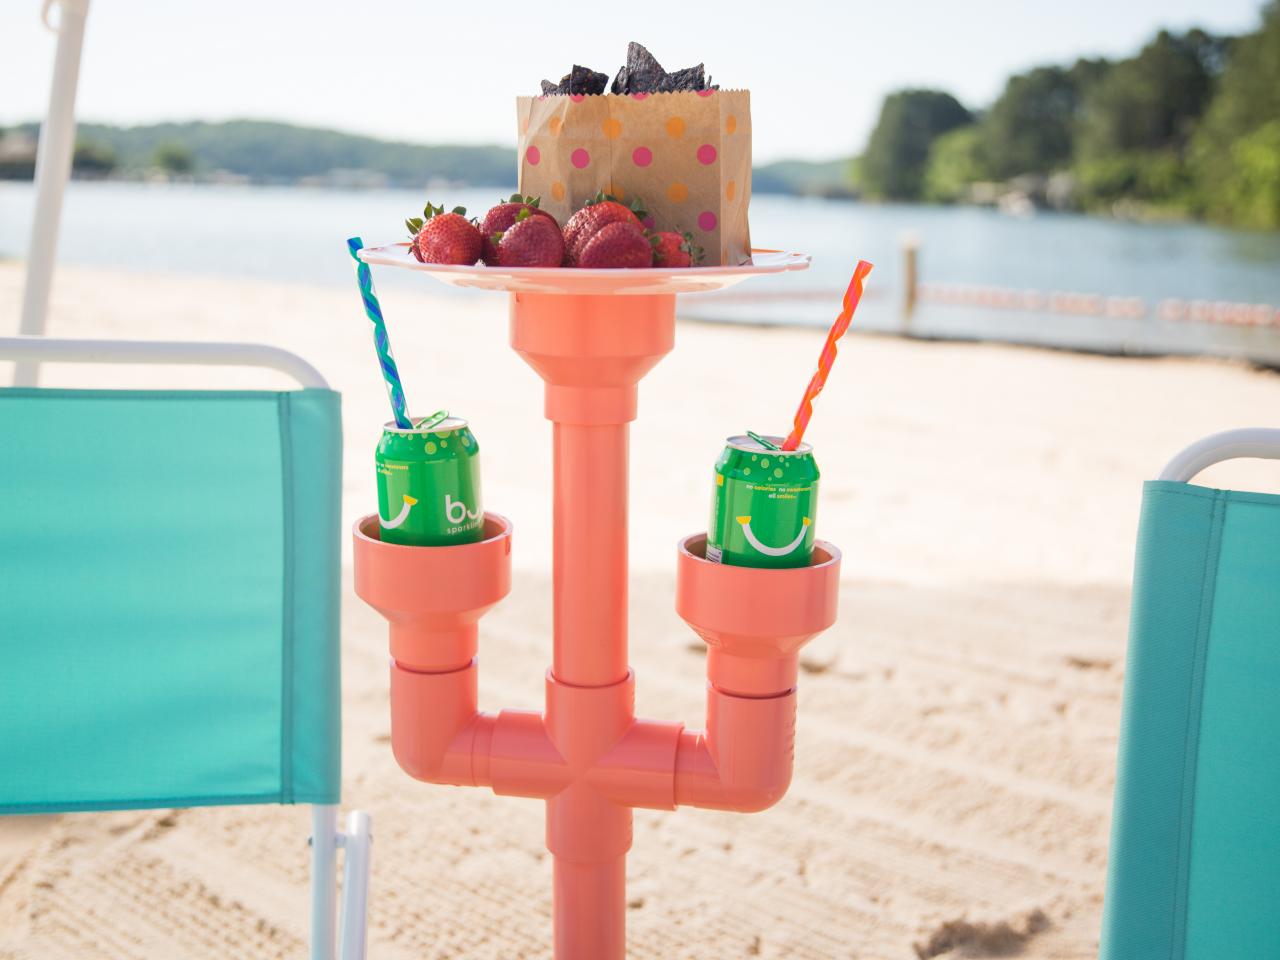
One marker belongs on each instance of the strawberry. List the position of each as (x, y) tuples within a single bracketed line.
[(532, 241), (600, 211), (414, 226), (618, 244), (671, 249), (501, 217), (440, 237)]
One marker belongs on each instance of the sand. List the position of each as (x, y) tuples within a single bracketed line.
[(957, 731)]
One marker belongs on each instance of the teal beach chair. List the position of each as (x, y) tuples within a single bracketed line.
[(1194, 869), (169, 576)]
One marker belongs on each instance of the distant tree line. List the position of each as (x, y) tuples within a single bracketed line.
[(267, 152), (1189, 126)]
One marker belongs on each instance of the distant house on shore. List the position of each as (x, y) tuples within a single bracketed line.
[(17, 155), (91, 160)]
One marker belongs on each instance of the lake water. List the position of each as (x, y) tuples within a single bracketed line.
[(298, 235)]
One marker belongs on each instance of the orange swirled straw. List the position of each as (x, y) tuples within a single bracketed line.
[(828, 356)]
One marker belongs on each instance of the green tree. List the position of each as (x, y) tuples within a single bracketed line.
[(956, 160), (93, 159), (910, 120), (1030, 128), (1247, 99), (1151, 101), (1252, 192), (1156, 178), (174, 157)]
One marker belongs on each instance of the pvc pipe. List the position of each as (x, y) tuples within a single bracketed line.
[(590, 553), (588, 922), (591, 352), (53, 169), (1260, 442), (189, 352), (587, 755), (588, 829), (324, 837), (356, 843), (522, 761)]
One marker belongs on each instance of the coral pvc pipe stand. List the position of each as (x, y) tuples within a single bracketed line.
[(586, 754)]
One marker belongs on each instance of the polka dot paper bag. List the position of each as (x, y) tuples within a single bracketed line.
[(686, 156)]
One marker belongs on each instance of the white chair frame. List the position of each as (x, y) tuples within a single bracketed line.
[(326, 839), (1256, 442)]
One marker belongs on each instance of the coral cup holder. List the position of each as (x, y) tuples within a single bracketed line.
[(433, 597), (755, 619)]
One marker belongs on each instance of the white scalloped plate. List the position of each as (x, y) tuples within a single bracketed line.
[(572, 280)]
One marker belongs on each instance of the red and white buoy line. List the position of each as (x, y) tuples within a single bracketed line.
[(1095, 305)]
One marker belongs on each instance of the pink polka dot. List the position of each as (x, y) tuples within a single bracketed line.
[(579, 158), (533, 156), (707, 220), (642, 156), (639, 96), (649, 223), (706, 153), (576, 97), (705, 93)]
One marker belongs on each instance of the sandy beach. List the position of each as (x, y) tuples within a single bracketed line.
[(957, 728)]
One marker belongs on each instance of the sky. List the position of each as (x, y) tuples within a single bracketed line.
[(434, 72)]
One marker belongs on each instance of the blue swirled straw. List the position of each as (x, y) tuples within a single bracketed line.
[(395, 392)]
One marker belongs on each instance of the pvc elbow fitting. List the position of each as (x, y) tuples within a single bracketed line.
[(754, 621), (437, 735), (743, 760), (433, 597)]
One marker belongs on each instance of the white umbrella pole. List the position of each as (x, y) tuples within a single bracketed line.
[(53, 169)]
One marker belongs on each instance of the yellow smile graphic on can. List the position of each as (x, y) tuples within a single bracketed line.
[(404, 514), (764, 548)]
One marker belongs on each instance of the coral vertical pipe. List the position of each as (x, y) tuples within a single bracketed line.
[(590, 698), (584, 895), (590, 550), (591, 351)]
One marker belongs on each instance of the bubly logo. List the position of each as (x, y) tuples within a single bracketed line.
[(462, 513)]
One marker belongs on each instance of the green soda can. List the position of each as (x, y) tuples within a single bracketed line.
[(429, 483), (764, 506)]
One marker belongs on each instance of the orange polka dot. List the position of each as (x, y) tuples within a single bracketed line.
[(524, 127), (730, 123), (616, 191), (677, 193), (675, 127), (555, 125), (557, 190), (730, 189), (612, 128)]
